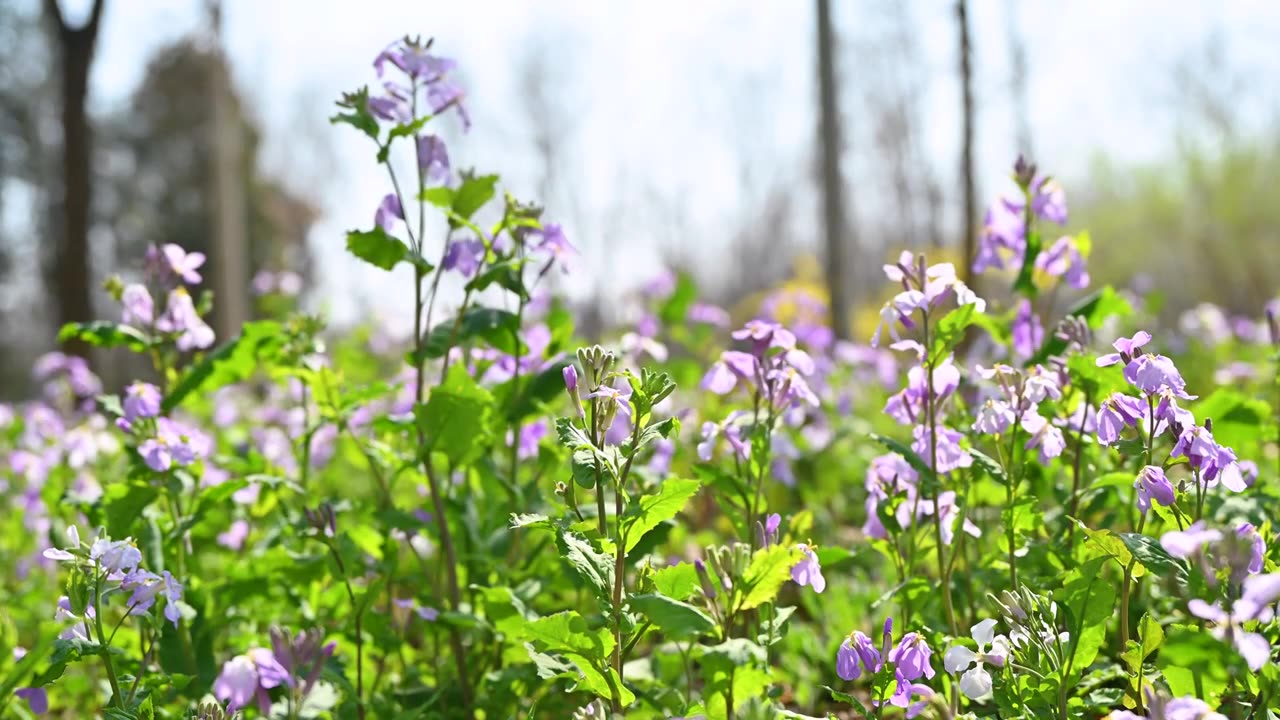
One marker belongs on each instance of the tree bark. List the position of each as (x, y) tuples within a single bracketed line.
[(69, 270), (830, 149), (966, 146), (229, 244)]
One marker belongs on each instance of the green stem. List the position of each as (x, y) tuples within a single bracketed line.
[(116, 697)]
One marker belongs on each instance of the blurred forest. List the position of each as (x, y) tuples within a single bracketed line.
[(85, 188)]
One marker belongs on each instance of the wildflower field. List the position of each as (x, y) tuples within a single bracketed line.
[(1023, 497)]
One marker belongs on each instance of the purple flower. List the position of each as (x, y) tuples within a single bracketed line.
[(1063, 259), (1260, 593), (36, 697), (118, 556), (725, 373), (994, 417), (1126, 348), (1257, 546), (465, 256), (950, 456), (1002, 242), (388, 212), (911, 657), (620, 398), (708, 314), (1184, 544), (855, 653), (1044, 435), (1153, 373), (552, 240), (234, 537), (173, 443), (789, 388), (141, 400), (139, 308), (808, 571), (765, 334), (771, 525), (1152, 484), (247, 677), (1115, 414), (182, 264), (1050, 201), (1028, 332), (180, 317), (433, 158)]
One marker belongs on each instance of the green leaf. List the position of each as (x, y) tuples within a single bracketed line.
[(101, 333), (65, 652), (473, 194), (506, 274), (677, 581), (568, 632), (769, 568), (1238, 420), (654, 509), (675, 309), (455, 417), (231, 363), (950, 330), (498, 328), (146, 711), (677, 620), (1088, 598), (123, 504), (1151, 635), (1196, 663), (376, 247), (848, 699), (357, 115), (22, 668), (1152, 554), (601, 684), (595, 567)]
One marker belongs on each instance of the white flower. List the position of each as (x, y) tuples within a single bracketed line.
[(65, 554), (976, 681)]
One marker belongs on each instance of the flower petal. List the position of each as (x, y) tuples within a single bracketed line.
[(984, 632), (976, 684), (958, 658)]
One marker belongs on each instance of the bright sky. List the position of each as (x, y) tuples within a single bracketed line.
[(663, 97)]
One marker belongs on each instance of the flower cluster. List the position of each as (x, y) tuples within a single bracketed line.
[(112, 566), (903, 664)]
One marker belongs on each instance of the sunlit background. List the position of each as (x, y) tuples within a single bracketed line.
[(660, 134)]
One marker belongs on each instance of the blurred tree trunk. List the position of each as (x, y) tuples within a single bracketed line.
[(230, 242), (68, 270), (829, 150), (966, 145), (1018, 80)]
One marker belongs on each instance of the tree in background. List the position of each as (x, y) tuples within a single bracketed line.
[(967, 182), (68, 265), (829, 151), (161, 163)]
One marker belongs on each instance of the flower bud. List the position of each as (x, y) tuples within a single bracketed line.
[(570, 374), (704, 579), (322, 519)]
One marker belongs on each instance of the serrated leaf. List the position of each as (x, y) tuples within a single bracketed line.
[(769, 568), (455, 417), (658, 508), (595, 567), (677, 581)]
